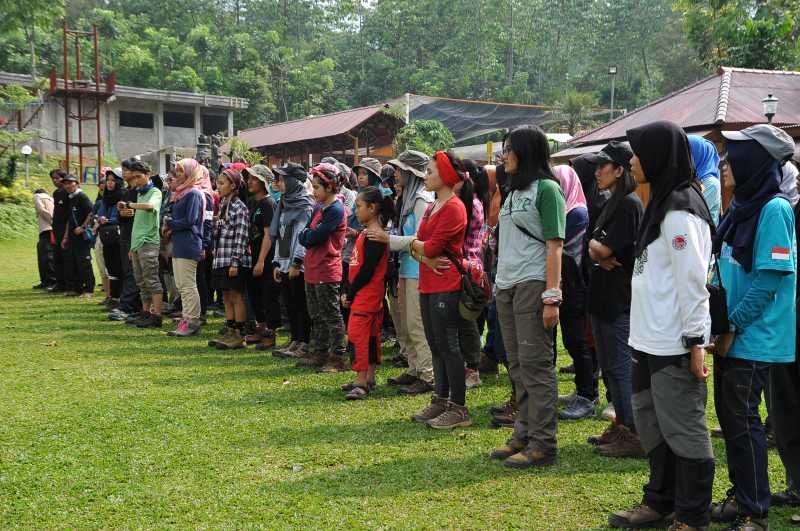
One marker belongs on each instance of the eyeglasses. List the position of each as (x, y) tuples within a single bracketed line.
[(507, 149)]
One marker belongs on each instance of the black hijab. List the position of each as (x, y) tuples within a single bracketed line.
[(663, 151), (585, 166), (112, 197), (758, 178)]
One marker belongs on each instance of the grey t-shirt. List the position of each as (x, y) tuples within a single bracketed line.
[(540, 210)]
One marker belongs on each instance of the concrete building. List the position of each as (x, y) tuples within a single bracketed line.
[(155, 124)]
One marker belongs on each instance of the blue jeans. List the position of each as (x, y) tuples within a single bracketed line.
[(738, 385), (614, 358)]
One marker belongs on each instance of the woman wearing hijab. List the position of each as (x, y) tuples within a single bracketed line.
[(706, 165), (108, 232), (528, 282), (291, 217), (413, 201), (670, 323), (185, 226), (573, 310), (204, 265), (757, 265)]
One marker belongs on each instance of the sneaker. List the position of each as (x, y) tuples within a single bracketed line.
[(472, 378), (581, 408), (748, 523), (336, 363), (117, 315), (608, 436), (511, 447), (419, 387), (454, 417), (680, 526), (55, 288), (569, 369), (433, 410), (529, 458), (403, 379), (137, 318), (40, 286), (726, 510), (788, 497), (185, 329), (609, 413), (566, 400), (627, 444), (285, 352), (152, 321), (794, 519), (224, 333), (637, 517), (232, 341)]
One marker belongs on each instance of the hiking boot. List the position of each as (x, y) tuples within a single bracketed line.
[(152, 321), (566, 400), (433, 410), (487, 365), (417, 388), (748, 523), (336, 363), (609, 413), (788, 497), (608, 436), (581, 408), (403, 379), (472, 378), (232, 341), (627, 444), (726, 510), (256, 336), (511, 447), (638, 517), (454, 417), (680, 526), (222, 336), (569, 369), (529, 458), (504, 408), (267, 341), (507, 418), (285, 352)]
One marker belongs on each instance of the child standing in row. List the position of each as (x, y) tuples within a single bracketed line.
[(366, 289)]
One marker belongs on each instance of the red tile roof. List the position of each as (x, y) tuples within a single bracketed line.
[(731, 96)]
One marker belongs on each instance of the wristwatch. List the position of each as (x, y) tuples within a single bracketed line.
[(689, 342)]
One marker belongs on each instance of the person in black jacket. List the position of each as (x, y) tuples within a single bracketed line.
[(60, 220), (76, 241)]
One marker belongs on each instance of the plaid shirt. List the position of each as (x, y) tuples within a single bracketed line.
[(231, 235), (473, 240)]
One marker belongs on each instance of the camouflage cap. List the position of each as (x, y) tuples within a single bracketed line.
[(413, 161)]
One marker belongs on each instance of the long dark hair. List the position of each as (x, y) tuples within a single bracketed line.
[(625, 185), (479, 184), (530, 145), (371, 195)]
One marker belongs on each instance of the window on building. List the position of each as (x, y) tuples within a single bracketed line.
[(179, 119), (142, 120), (213, 123)]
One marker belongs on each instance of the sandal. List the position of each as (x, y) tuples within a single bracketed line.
[(350, 386), (358, 393)]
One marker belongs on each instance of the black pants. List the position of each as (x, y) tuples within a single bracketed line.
[(113, 259), (343, 289), (293, 292), (129, 300), (441, 321), (203, 288), (784, 386), (79, 256), (573, 333), (264, 296), (58, 260), (45, 258)]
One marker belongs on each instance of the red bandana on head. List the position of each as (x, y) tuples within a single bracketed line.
[(447, 172)]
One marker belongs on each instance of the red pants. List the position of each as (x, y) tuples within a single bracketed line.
[(364, 333)]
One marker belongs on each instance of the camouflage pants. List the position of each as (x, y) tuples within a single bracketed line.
[(327, 326)]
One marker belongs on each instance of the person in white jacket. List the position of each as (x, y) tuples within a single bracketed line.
[(43, 204), (670, 326)]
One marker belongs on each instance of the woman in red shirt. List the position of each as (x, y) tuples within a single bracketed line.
[(441, 233)]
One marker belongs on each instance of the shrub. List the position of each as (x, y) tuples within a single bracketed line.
[(16, 194)]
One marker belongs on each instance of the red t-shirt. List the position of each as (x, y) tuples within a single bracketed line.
[(369, 293), (442, 230)]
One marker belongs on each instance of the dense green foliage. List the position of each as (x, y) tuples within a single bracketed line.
[(427, 136), (302, 57)]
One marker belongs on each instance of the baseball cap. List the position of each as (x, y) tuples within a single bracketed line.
[(413, 161), (260, 172), (69, 178), (618, 153), (292, 170), (116, 172), (776, 142)]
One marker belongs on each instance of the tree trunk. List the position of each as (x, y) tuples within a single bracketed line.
[(643, 53), (510, 55)]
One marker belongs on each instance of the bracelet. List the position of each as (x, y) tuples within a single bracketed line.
[(552, 293), (552, 301)]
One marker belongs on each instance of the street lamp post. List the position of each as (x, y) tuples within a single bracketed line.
[(612, 71), (770, 104), (26, 150)]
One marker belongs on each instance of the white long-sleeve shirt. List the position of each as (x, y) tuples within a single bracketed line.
[(43, 204), (669, 298)]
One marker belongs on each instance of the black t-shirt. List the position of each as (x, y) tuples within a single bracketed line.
[(610, 291), (261, 213), (126, 224), (80, 209), (61, 211)]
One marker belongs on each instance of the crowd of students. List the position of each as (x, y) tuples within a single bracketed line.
[(333, 254)]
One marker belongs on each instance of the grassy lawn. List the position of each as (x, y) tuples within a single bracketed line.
[(108, 426)]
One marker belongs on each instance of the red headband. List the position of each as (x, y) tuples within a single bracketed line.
[(447, 172)]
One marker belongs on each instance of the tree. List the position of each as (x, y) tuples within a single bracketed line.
[(427, 136), (27, 16), (575, 109)]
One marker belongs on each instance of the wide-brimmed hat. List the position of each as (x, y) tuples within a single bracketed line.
[(260, 172), (413, 161), (371, 165)]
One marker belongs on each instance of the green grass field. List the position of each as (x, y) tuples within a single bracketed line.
[(104, 426)]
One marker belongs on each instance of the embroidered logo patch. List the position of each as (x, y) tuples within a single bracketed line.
[(679, 243), (780, 253)]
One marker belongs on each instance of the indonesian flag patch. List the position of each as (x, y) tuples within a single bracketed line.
[(780, 253), (679, 242)]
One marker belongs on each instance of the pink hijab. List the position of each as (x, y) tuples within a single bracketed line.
[(571, 186), (191, 171)]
